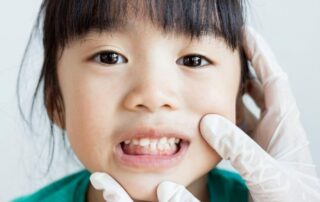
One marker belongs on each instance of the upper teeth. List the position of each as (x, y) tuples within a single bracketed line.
[(147, 141)]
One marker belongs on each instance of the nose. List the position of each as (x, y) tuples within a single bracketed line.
[(152, 91)]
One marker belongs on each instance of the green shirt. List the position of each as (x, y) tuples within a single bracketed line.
[(223, 186)]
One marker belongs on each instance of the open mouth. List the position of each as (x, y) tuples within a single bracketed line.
[(148, 146), (156, 153)]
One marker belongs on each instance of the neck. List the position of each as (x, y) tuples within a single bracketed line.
[(198, 189)]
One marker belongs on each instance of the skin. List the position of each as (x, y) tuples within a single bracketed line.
[(149, 89)]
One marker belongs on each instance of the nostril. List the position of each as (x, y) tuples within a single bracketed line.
[(141, 107)]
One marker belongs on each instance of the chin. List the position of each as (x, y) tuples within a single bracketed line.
[(144, 194), (144, 188)]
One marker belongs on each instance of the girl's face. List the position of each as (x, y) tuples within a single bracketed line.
[(150, 81)]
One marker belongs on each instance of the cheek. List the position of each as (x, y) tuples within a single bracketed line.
[(90, 118), (216, 96)]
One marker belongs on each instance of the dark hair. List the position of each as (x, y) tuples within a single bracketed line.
[(64, 21)]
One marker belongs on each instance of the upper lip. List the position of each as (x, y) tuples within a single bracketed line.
[(151, 132)]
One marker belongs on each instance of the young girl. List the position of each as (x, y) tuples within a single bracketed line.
[(130, 82)]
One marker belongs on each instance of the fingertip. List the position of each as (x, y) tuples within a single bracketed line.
[(211, 122), (95, 179), (166, 185), (247, 33), (209, 127), (165, 190), (211, 118)]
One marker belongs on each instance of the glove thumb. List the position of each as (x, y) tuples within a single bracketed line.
[(172, 192)]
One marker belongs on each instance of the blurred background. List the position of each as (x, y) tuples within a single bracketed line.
[(291, 27)]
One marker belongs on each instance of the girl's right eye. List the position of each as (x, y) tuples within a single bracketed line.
[(109, 57)]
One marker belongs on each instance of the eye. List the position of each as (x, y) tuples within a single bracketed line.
[(109, 57), (196, 61)]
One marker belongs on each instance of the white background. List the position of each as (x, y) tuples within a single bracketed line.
[(291, 27)]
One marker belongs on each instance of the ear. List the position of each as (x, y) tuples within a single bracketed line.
[(239, 110)]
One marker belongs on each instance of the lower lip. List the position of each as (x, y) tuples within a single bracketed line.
[(151, 161)]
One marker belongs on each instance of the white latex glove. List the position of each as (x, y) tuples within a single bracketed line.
[(276, 163), (112, 190)]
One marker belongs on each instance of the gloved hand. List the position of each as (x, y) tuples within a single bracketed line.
[(276, 163), (112, 190)]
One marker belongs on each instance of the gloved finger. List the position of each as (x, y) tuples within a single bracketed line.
[(171, 192), (231, 143), (274, 80), (112, 190), (262, 58)]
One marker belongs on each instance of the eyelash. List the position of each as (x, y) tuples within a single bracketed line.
[(184, 58)]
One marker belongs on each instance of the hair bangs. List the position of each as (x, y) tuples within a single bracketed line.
[(74, 18)]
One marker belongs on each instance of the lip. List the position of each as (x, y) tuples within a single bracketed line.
[(152, 162)]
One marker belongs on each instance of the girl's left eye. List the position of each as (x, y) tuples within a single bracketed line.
[(109, 57), (194, 61)]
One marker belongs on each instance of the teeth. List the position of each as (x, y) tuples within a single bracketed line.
[(161, 146), (166, 146), (171, 140), (135, 142), (154, 141), (153, 145), (162, 143), (163, 140), (144, 141)]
